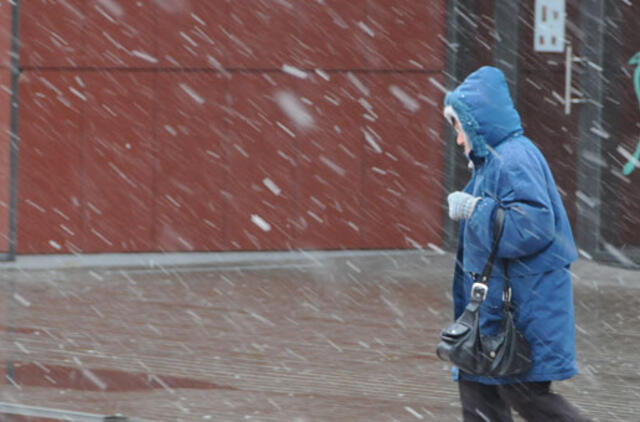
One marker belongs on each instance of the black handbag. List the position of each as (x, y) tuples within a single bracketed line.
[(504, 354)]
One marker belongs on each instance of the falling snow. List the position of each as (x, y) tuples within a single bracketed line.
[(294, 109), (291, 70), (260, 222), (407, 101), (237, 210)]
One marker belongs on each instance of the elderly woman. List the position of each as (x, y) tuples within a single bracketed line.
[(536, 250)]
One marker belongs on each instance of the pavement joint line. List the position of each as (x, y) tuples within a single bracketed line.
[(198, 269), (159, 260)]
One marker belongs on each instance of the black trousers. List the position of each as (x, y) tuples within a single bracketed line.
[(534, 401)]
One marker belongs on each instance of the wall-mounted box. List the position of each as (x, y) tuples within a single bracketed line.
[(549, 26)]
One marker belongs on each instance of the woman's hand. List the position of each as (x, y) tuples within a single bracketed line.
[(461, 205)]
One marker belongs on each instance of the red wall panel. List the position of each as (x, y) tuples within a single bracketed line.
[(333, 34), (191, 162), (5, 122), (262, 34), (52, 32), (193, 35), (409, 34), (119, 161), (330, 164), (121, 34), (5, 33), (261, 147), (249, 158), (403, 157), (5, 154), (50, 165)]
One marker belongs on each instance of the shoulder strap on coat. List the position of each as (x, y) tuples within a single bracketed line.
[(498, 226)]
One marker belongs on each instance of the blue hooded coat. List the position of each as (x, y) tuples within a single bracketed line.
[(537, 245)]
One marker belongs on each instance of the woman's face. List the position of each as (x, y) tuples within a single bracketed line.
[(461, 140)]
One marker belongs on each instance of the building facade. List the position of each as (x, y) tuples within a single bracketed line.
[(218, 125)]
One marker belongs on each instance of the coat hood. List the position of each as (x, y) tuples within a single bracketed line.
[(484, 108)]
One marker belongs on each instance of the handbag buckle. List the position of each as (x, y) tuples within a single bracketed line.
[(479, 291)]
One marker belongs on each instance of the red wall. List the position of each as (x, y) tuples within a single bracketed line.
[(159, 125), (5, 122), (5, 84)]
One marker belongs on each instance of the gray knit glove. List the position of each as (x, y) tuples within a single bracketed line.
[(461, 205)]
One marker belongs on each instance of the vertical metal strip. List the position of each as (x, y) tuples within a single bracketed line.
[(448, 226), (505, 54), (590, 126), (460, 59), (13, 136), (611, 121)]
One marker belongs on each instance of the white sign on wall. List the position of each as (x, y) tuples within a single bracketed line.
[(549, 26)]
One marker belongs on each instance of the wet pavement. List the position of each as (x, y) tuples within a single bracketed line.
[(341, 338)]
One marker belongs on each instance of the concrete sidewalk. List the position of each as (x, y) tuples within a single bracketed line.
[(295, 337)]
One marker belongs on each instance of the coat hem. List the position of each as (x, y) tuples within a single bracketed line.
[(540, 377)]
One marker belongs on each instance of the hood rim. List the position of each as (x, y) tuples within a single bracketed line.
[(469, 124)]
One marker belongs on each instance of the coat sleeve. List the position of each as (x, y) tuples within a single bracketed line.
[(529, 224)]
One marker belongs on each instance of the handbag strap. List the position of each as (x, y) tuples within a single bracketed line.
[(478, 295), (498, 226), (480, 287)]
